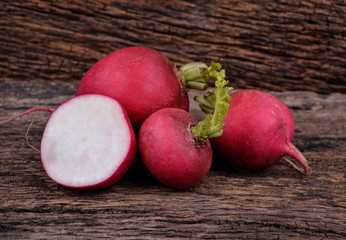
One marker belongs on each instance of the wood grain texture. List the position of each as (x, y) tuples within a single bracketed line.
[(272, 45), (277, 203)]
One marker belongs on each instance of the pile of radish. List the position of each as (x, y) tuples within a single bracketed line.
[(134, 99)]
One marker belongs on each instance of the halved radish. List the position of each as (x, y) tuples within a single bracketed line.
[(88, 142)]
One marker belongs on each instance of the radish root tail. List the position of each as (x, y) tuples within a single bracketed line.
[(293, 152), (34, 109), (27, 138)]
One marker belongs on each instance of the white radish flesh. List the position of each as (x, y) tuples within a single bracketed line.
[(88, 142)]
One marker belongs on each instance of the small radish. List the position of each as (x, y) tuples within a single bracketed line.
[(258, 132), (143, 81), (175, 147), (88, 142)]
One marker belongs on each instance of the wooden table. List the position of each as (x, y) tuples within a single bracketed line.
[(295, 49), (277, 203)]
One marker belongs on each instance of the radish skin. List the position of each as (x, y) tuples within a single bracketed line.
[(167, 147), (258, 133), (140, 78), (144, 81)]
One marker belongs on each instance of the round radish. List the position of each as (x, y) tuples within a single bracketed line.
[(88, 143), (143, 81), (258, 132), (168, 149), (175, 148)]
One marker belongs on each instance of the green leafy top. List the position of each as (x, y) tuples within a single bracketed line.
[(215, 105), (196, 75)]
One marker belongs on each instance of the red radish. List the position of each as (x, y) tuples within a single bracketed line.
[(167, 147), (176, 149), (88, 142), (258, 132), (143, 81)]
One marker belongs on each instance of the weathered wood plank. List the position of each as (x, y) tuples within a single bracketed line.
[(277, 203), (272, 45)]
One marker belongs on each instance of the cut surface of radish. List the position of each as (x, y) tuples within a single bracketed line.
[(88, 142)]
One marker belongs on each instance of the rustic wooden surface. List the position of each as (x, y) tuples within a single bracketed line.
[(272, 45), (282, 46), (277, 203)]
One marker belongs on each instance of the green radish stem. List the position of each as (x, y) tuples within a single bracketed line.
[(213, 124), (196, 75)]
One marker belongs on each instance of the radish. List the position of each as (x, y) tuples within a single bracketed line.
[(258, 132), (88, 142), (175, 147), (143, 81)]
